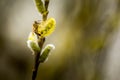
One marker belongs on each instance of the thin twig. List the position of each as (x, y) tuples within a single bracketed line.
[(44, 15), (37, 55), (36, 65), (40, 40)]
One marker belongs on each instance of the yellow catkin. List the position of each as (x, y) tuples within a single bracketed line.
[(45, 28)]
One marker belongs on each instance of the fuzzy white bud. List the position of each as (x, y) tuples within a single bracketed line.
[(46, 52)]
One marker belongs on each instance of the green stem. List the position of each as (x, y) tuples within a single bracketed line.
[(46, 4), (45, 14)]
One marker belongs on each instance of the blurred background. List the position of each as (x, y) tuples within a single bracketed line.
[(87, 40)]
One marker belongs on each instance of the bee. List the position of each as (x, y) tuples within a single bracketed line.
[(44, 28)]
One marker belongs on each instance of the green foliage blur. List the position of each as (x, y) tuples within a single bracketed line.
[(82, 39)]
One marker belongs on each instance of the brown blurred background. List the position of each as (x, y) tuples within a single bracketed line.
[(87, 40)]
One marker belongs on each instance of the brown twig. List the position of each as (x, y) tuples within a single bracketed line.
[(40, 41), (37, 55)]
